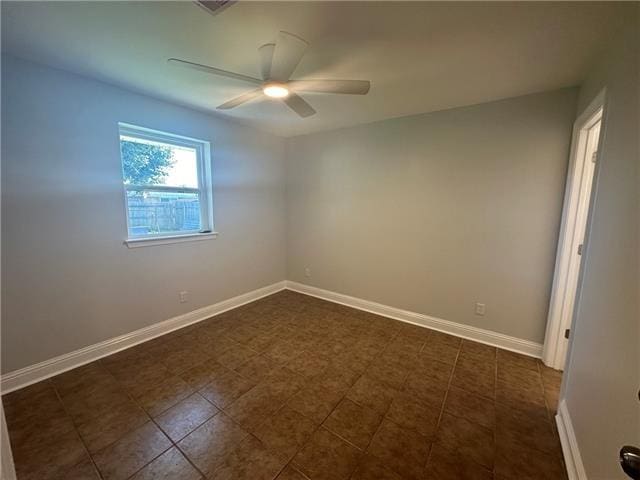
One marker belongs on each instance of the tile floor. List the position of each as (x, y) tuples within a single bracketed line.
[(292, 387)]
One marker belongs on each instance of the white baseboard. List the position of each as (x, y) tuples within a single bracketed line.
[(49, 368), (488, 337), (570, 450)]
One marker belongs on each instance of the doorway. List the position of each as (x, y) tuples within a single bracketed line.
[(571, 245)]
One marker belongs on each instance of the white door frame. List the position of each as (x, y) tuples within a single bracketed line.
[(581, 177)]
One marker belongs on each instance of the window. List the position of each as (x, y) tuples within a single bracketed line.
[(167, 183)]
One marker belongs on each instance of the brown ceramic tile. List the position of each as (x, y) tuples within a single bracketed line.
[(141, 379), (318, 399), (552, 398), (81, 377), (283, 351), (550, 378), (249, 461), (387, 373), (519, 397), (356, 359), (285, 382), (285, 432), (426, 366), (353, 422), (251, 409), (327, 457), (101, 431), (200, 375), (425, 388), (236, 356), (84, 470), (373, 394), (472, 365), (515, 359), (171, 465), (133, 451), (517, 461), (292, 362), (372, 468), (184, 357), (522, 377), (468, 439), (262, 342), (413, 414), (219, 343), (50, 460), (341, 373), (403, 351), (447, 465), (472, 407), (481, 352), (208, 446), (36, 419), (24, 394), (444, 339), (164, 395), (225, 387), (403, 451), (309, 365), (441, 352), (289, 473), (532, 429), (474, 379), (136, 373), (93, 401), (242, 333), (185, 416), (256, 368)]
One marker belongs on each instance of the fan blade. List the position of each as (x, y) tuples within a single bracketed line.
[(299, 105), (247, 97), (347, 87), (287, 54), (213, 70), (266, 57)]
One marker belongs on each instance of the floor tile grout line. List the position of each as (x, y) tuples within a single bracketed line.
[(338, 403), (77, 432), (150, 419), (173, 444), (384, 415), (396, 333), (442, 409), (547, 419), (549, 416)]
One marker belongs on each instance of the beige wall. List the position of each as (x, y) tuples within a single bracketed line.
[(602, 377), (433, 213), (67, 279)]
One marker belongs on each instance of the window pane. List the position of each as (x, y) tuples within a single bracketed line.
[(145, 162), (156, 212)]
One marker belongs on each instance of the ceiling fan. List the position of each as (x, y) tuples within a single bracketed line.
[(278, 62)]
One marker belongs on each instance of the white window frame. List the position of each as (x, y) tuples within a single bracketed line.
[(204, 189)]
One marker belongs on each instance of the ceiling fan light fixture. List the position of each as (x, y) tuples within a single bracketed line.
[(275, 90)]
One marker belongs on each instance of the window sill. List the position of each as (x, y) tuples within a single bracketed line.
[(152, 241)]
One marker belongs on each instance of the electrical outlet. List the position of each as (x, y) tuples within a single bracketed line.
[(480, 308), (184, 297), (307, 272)]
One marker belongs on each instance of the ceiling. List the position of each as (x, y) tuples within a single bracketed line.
[(419, 56)]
